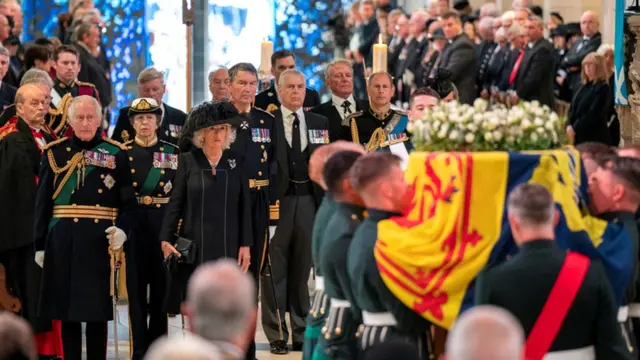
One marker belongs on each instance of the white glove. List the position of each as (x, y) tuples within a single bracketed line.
[(272, 231), (116, 237), (39, 258)]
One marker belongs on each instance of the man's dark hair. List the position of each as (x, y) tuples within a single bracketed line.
[(424, 91), (337, 168), (372, 76), (36, 52), (65, 49), (235, 69), (599, 152), (371, 167), (280, 54), (626, 169), (557, 15), (451, 15), (43, 41)]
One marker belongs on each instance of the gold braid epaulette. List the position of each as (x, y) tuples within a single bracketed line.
[(62, 110), (54, 143), (114, 143), (127, 143), (82, 83), (263, 111), (377, 138)]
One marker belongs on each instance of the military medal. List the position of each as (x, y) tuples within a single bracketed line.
[(167, 187), (99, 159), (260, 135), (232, 163), (244, 125), (319, 136), (175, 130), (165, 161), (109, 181)]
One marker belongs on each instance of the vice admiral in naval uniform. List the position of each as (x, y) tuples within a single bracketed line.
[(380, 128), (85, 206), (153, 165), (256, 140), (269, 99), (151, 85)]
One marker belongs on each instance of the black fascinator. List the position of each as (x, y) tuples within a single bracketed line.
[(441, 83)]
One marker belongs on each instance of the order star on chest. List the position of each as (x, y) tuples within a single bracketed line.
[(109, 181), (244, 125), (232, 163), (167, 187)]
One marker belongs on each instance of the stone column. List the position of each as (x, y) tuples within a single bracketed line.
[(630, 115)]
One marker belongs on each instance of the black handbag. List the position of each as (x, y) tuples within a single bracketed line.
[(187, 250)]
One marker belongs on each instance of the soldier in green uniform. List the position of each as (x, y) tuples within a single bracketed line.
[(378, 178), (339, 341), (380, 127), (153, 165), (321, 302)]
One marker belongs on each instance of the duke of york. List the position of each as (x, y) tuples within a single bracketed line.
[(380, 128)]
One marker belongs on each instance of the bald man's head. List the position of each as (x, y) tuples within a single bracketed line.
[(323, 153), (589, 23), (485, 333), (30, 105)]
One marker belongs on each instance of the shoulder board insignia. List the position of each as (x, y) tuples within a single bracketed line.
[(264, 112), (167, 143), (54, 143), (401, 112), (113, 142), (272, 107), (82, 83)]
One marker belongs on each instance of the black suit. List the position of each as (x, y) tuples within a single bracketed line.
[(7, 95), (169, 130), (408, 61), (493, 74), (459, 57), (535, 77), (269, 98), (588, 113), (522, 285), (572, 62), (336, 129), (369, 32), (484, 50), (92, 72), (290, 247)]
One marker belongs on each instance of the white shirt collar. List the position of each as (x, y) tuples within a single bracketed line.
[(286, 113), (338, 101)]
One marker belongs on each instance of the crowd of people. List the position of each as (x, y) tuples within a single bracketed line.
[(208, 213)]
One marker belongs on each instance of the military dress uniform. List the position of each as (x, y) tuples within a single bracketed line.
[(256, 140), (376, 132), (54, 121), (61, 96), (153, 168), (85, 188), (339, 333), (384, 317), (321, 302)]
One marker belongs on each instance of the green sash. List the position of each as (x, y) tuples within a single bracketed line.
[(151, 182), (64, 197)]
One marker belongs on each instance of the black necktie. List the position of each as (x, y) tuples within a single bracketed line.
[(346, 105), (295, 135)]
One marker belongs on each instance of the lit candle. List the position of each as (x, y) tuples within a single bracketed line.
[(266, 50), (380, 56)]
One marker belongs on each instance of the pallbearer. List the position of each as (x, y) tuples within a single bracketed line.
[(378, 178), (84, 206), (256, 140), (153, 165), (321, 302), (338, 339), (380, 127)]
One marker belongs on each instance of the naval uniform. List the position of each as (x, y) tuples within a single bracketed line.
[(153, 168), (339, 340), (85, 188), (386, 132), (256, 139), (321, 302), (522, 286), (385, 318)]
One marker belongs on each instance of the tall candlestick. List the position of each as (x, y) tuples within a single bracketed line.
[(266, 50), (380, 56)]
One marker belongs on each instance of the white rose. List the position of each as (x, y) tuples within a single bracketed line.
[(442, 134), (497, 135), (535, 103), (540, 130), (534, 137), (538, 112), (511, 139), (469, 138), (445, 127), (454, 135), (554, 135), (488, 136), (436, 124), (538, 122), (525, 124), (411, 126), (477, 118), (548, 126), (472, 127)]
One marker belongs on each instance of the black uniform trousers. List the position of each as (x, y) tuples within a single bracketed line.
[(96, 333), (290, 251), (145, 269), (369, 337), (260, 224)]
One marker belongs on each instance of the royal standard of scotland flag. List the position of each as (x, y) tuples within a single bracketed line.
[(457, 225)]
